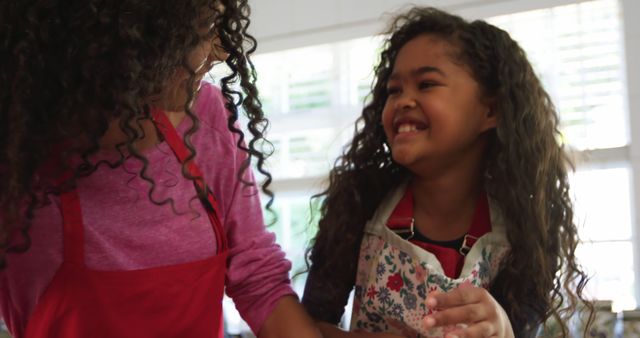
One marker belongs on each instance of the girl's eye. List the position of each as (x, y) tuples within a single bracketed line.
[(393, 90), (426, 85)]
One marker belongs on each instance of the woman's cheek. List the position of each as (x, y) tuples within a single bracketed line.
[(199, 57)]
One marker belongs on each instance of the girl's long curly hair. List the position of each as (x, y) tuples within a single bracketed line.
[(69, 68), (526, 173)]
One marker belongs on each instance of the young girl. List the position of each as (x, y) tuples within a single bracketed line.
[(450, 211), (126, 204)]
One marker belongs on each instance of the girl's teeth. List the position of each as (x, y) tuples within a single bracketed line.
[(406, 128)]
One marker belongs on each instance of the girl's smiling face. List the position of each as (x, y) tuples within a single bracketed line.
[(434, 114)]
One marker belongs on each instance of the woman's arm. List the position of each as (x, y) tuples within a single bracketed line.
[(332, 331), (289, 320)]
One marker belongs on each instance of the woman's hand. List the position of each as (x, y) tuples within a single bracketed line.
[(472, 306), (332, 331)]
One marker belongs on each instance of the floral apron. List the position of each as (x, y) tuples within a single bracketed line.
[(394, 276)]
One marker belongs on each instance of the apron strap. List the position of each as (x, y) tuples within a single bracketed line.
[(73, 230), (73, 226), (480, 225), (402, 222), (182, 153)]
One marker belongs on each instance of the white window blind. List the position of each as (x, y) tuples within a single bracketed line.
[(577, 50)]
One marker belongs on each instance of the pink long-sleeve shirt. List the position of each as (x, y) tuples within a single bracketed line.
[(124, 230)]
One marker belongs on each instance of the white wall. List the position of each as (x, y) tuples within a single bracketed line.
[(283, 24)]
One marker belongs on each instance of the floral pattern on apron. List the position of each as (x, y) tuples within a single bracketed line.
[(395, 276)]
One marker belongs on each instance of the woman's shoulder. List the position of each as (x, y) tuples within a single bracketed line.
[(210, 106), (208, 91), (213, 116)]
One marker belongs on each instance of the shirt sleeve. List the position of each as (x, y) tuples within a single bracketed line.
[(257, 270)]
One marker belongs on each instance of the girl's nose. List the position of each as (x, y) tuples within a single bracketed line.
[(406, 102)]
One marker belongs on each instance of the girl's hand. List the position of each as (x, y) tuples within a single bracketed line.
[(472, 306)]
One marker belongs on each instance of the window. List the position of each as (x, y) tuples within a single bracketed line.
[(296, 81), (577, 50), (301, 154), (314, 94), (606, 232), (295, 213)]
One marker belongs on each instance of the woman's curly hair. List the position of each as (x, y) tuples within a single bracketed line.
[(69, 68), (526, 173)]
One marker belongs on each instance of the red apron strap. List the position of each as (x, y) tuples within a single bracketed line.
[(182, 153), (480, 224), (401, 220), (73, 231), (174, 140)]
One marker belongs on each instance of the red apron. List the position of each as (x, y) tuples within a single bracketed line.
[(183, 300)]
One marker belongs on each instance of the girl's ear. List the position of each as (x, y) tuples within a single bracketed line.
[(490, 116), (492, 119)]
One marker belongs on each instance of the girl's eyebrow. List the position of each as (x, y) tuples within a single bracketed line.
[(419, 71)]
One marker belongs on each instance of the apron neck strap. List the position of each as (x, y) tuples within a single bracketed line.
[(402, 221), (73, 228), (183, 154), (480, 224)]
